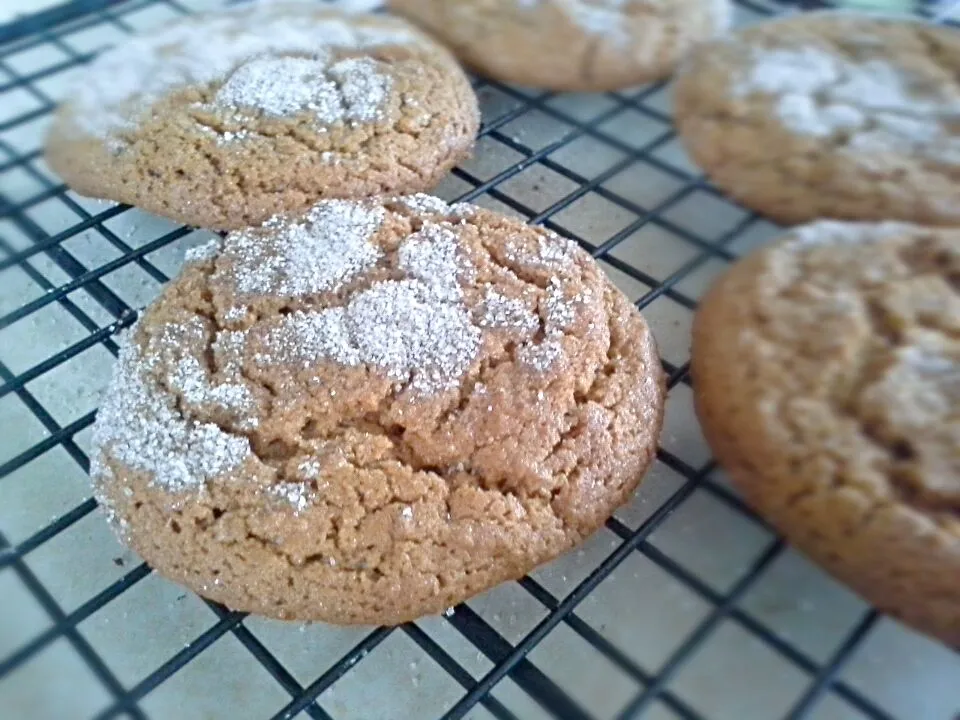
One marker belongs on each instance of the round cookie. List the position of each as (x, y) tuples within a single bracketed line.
[(830, 114), (222, 120), (585, 45), (827, 377), (374, 411)]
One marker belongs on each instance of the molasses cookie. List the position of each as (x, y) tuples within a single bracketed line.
[(827, 377), (831, 114), (224, 119), (375, 410), (570, 44)]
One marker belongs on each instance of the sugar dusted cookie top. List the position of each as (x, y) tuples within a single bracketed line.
[(376, 409), (829, 114), (223, 119), (827, 377), (570, 44)]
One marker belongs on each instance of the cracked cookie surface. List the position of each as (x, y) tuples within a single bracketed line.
[(222, 120), (827, 377), (587, 45), (829, 114), (375, 411)]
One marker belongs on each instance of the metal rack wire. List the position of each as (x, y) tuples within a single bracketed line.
[(509, 660)]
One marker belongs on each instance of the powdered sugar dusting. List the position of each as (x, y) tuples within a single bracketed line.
[(600, 17), (831, 232), (351, 90), (297, 494), (310, 469), (552, 252), (124, 82), (432, 255), (140, 426), (819, 94), (417, 330), (406, 328), (423, 203), (560, 312), (363, 88), (500, 311), (915, 397), (208, 250), (928, 362), (228, 348), (193, 382), (541, 357), (328, 247), (280, 86)]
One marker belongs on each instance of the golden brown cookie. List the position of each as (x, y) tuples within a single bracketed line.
[(829, 114), (570, 44), (827, 378), (222, 120), (376, 410)]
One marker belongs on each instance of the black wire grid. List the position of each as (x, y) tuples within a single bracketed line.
[(509, 660)]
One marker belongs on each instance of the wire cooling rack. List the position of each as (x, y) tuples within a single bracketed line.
[(603, 169)]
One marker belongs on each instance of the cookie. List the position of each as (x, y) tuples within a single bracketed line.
[(374, 411), (586, 45), (827, 379), (222, 120), (830, 114)]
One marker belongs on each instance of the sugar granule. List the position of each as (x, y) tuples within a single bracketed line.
[(309, 469), (295, 493)]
